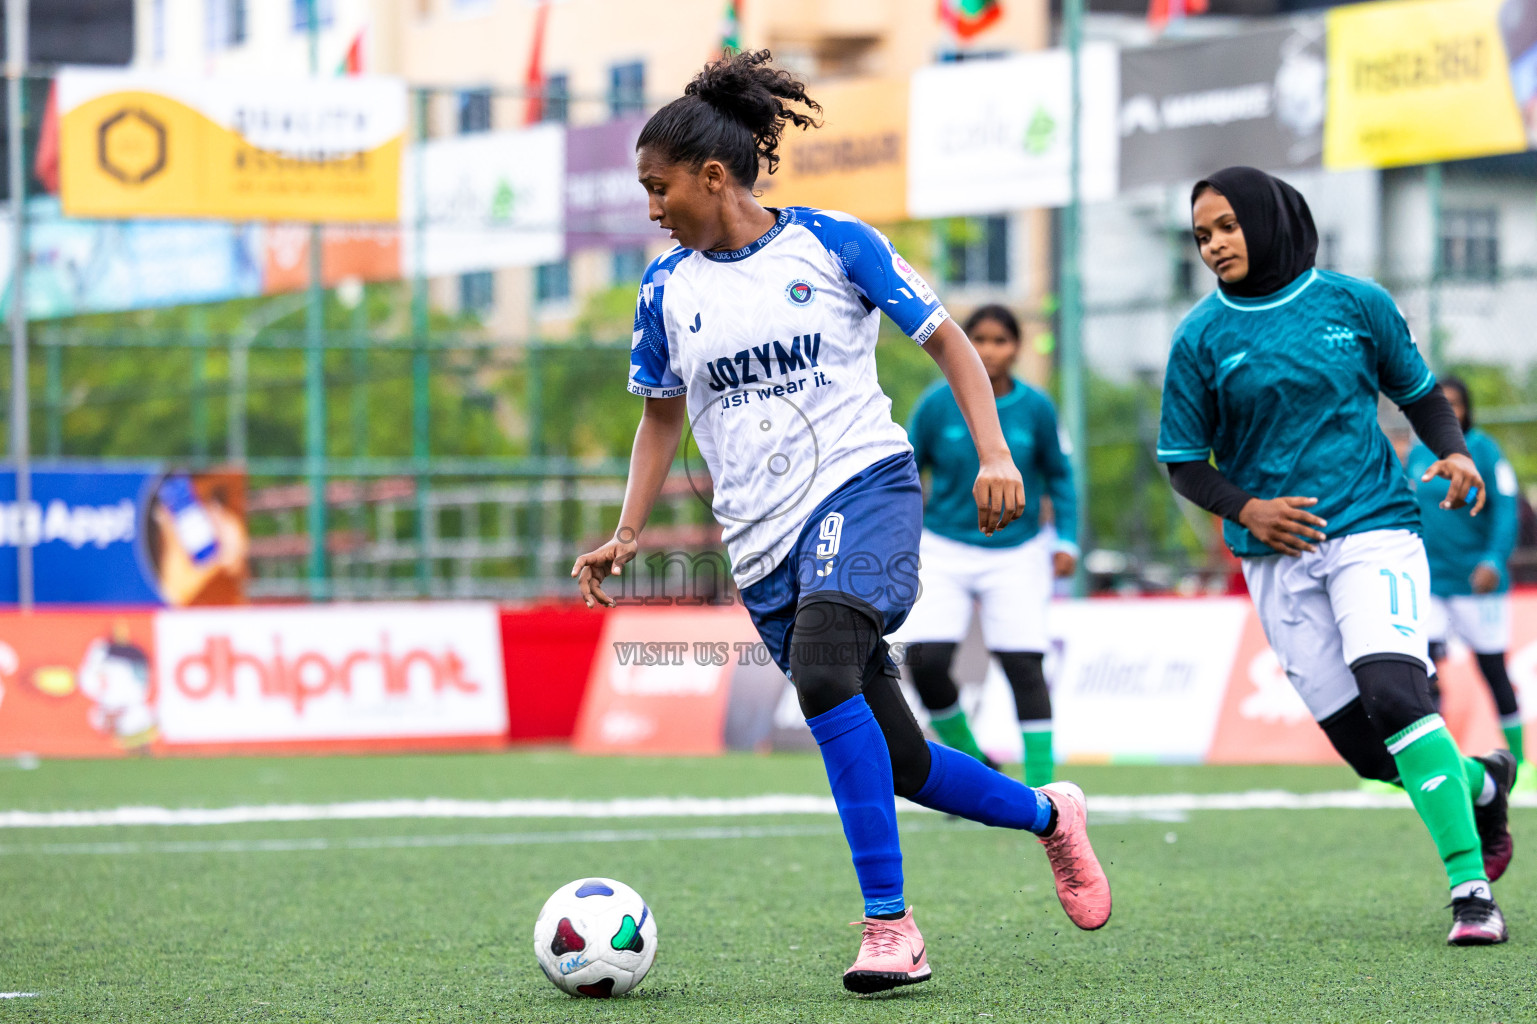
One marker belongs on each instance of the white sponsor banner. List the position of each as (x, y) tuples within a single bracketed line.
[(1130, 680), (492, 199), (990, 136), (329, 673)]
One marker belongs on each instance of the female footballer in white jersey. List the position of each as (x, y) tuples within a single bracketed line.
[(1276, 374), (758, 329)]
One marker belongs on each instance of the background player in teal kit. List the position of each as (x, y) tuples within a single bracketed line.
[(1469, 579), (1276, 374), (1007, 575)]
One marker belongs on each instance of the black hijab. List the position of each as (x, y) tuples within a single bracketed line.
[(1277, 227)]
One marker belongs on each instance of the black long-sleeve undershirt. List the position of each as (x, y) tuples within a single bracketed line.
[(1204, 485)]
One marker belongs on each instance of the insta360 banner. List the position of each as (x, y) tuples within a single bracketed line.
[(138, 144), (1427, 80)]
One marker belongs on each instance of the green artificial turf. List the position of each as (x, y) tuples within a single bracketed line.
[(1226, 916)]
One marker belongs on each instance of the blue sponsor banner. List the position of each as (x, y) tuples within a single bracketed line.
[(101, 266), (88, 533)]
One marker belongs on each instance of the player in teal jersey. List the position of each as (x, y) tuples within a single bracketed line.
[(1009, 574), (1276, 374), (1469, 581)]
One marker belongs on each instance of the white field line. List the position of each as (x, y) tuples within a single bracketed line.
[(1151, 805), (18, 995)]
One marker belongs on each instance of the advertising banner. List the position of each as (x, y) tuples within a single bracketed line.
[(359, 252), (152, 144), (1187, 108), (366, 672), (857, 161), (492, 200), (76, 684), (661, 680), (1417, 81), (106, 266), (989, 136), (120, 536), (605, 206)]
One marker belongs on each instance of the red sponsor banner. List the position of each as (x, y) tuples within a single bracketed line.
[(351, 251), (77, 684), (661, 680)]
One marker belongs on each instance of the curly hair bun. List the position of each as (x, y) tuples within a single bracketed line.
[(748, 104)]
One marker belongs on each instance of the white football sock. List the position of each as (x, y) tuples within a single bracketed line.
[(1478, 887), (1487, 794)]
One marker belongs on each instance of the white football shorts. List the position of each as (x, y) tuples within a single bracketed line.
[(1356, 596), (1011, 587), (1482, 621)]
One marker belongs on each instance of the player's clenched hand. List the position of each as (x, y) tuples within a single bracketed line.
[(1463, 476), (595, 566), (1000, 494), (1283, 523)]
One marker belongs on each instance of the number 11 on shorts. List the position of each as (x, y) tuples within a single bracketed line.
[(1414, 600)]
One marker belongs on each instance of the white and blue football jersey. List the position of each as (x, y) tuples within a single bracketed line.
[(774, 345)]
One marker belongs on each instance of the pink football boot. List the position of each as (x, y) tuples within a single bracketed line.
[(1081, 883), (890, 954)]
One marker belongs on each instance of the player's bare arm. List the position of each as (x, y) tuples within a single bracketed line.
[(1462, 476), (1284, 523), (656, 442), (999, 490)]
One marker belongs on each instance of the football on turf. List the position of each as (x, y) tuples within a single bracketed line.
[(595, 937)]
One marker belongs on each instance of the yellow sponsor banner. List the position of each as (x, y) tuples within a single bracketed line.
[(150, 145), (857, 161), (1418, 81)]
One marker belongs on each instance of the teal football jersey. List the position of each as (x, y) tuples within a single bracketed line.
[(1283, 391), (942, 444), (1455, 542)]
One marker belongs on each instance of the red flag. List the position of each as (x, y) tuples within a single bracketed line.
[(352, 60), (46, 166), (1161, 12), (533, 82)]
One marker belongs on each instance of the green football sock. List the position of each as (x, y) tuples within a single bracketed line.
[(1516, 742), (1038, 761), (951, 727), (1435, 776)]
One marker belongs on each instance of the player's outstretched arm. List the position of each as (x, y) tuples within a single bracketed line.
[(999, 490), (656, 442)]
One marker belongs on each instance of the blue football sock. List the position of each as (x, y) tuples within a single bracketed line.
[(859, 770), (964, 786)]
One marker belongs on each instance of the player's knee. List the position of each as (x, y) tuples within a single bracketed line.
[(1395, 691), (929, 664), (829, 649), (1355, 739)]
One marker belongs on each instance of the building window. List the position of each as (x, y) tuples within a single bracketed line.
[(1470, 244), (977, 251), (629, 265), (552, 282), (557, 99), (626, 89), (226, 22), (477, 292), (474, 111), (325, 13)]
